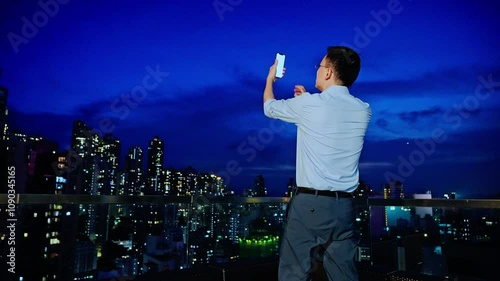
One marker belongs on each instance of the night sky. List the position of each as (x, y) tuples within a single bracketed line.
[(193, 73)]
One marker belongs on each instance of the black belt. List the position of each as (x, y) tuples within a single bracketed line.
[(307, 190)]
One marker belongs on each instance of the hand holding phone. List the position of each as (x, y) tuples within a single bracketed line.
[(281, 65)]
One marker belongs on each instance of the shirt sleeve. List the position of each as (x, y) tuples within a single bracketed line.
[(289, 110)]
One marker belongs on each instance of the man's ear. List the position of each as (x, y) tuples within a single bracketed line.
[(329, 74)]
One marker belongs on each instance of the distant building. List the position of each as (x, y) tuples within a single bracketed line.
[(134, 172), (451, 195), (121, 184), (398, 216), (248, 192), (148, 220), (108, 151), (457, 226), (434, 262), (162, 254), (201, 246), (46, 230), (18, 155), (260, 186), (94, 166), (84, 145), (23, 152), (234, 226), (210, 185), (85, 262), (156, 151), (119, 246), (185, 182), (393, 190), (168, 179), (40, 231), (290, 187), (423, 211), (363, 225), (363, 190)]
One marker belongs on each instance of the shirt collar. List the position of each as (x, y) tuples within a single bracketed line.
[(337, 89)]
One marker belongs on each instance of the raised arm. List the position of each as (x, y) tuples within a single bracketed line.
[(271, 78)]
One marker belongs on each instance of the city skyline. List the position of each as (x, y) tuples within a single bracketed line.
[(197, 76)]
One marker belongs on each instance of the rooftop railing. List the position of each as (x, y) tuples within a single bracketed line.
[(158, 199), (194, 236)]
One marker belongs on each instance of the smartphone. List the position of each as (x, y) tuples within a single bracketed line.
[(281, 64)]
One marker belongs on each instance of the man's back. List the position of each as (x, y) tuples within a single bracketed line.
[(330, 138)]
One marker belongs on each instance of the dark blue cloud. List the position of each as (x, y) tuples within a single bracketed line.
[(417, 78), (413, 116)]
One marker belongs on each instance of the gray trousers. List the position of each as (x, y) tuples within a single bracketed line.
[(319, 228)]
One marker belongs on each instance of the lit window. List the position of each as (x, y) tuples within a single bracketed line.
[(54, 241)]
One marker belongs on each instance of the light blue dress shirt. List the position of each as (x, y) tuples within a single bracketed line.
[(330, 132)]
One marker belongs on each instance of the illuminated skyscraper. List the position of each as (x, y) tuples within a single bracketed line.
[(169, 180), (155, 165), (134, 172), (190, 176), (84, 179), (179, 188), (84, 144), (109, 160)]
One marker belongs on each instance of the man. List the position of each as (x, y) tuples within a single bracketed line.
[(331, 126)]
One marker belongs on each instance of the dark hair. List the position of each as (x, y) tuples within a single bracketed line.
[(346, 63)]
